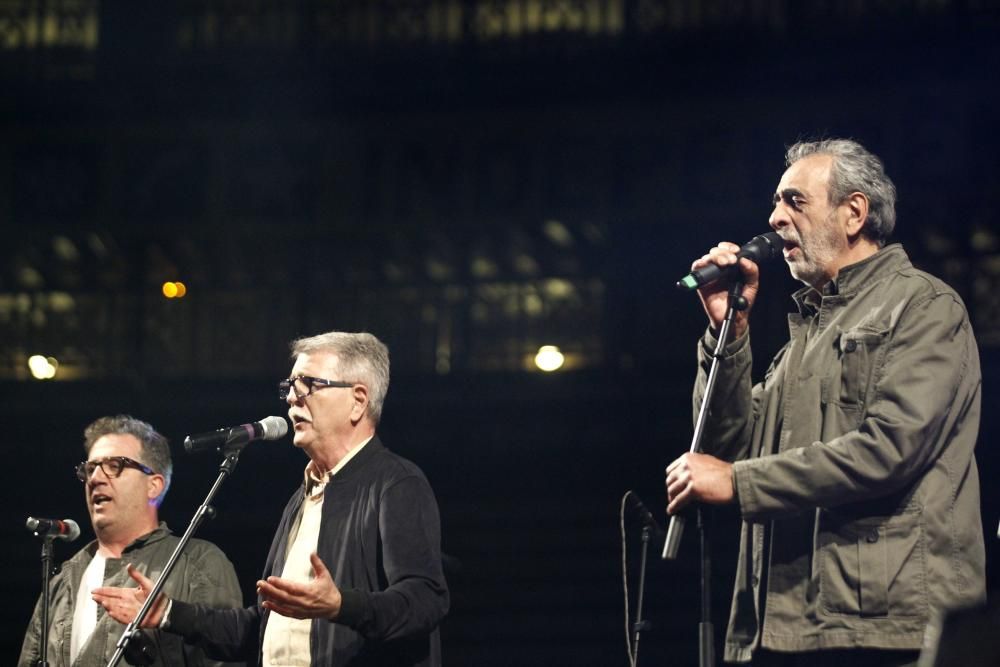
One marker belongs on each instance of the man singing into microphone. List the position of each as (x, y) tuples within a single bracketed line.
[(354, 574), (852, 462), (125, 478)]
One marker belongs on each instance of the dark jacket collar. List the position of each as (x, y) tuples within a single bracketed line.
[(161, 532), (359, 461), (853, 278)]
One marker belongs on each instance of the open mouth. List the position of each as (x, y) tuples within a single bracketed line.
[(98, 499), (296, 420)]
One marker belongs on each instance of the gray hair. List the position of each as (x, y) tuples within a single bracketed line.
[(362, 357), (154, 447), (855, 169)]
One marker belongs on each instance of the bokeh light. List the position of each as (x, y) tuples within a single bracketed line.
[(549, 358), (174, 289), (41, 367)]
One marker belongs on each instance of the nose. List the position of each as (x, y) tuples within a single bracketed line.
[(779, 217), (97, 477)]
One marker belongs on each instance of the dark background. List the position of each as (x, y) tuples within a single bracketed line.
[(468, 181)]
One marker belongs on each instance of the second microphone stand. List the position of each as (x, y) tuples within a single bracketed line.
[(232, 455), (47, 571), (639, 625), (706, 630)]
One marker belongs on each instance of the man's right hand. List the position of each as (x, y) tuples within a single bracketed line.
[(123, 604), (715, 296)]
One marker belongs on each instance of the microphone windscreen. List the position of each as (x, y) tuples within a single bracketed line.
[(74, 529), (273, 428)]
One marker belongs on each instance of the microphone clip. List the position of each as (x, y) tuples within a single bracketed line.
[(737, 301)]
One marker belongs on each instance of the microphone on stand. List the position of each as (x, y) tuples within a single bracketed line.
[(63, 529), (645, 516), (269, 428)]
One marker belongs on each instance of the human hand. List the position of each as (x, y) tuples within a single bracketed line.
[(123, 604), (715, 295), (318, 598), (698, 477)]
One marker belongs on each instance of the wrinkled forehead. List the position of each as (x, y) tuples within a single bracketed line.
[(116, 444), (317, 364), (811, 174)]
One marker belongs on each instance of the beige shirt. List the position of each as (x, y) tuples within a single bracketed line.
[(286, 640)]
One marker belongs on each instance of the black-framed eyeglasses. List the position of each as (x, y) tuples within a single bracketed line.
[(305, 385), (111, 465)]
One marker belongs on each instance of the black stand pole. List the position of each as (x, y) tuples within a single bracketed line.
[(706, 631), (676, 528), (640, 624), (43, 659), (232, 454)]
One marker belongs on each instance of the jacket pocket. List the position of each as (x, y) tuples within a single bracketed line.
[(874, 567), (860, 352)]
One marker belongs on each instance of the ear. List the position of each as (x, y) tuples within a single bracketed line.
[(360, 407), (856, 206), (154, 486)]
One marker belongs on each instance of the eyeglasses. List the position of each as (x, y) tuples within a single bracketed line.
[(304, 385), (111, 465)]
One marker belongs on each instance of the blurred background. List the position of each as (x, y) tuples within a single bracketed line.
[(187, 186)]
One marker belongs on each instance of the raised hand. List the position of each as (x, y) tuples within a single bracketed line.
[(123, 604), (317, 598), (715, 296)]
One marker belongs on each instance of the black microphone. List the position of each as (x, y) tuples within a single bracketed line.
[(758, 249), (269, 428), (645, 515), (65, 529)]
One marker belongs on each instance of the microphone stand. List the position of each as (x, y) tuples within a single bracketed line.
[(640, 624), (47, 540), (231, 451), (706, 649)]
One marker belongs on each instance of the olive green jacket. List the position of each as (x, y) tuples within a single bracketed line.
[(203, 574), (854, 469)]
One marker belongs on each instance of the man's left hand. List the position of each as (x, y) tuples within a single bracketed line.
[(318, 598), (123, 604), (698, 477)]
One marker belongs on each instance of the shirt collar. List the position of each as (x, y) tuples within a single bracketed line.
[(160, 532), (315, 482)]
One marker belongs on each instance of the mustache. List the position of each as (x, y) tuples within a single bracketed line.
[(792, 236)]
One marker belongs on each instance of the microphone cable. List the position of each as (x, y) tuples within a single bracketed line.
[(628, 630)]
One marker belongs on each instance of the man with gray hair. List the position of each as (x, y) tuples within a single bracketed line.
[(125, 478), (354, 574), (852, 461)]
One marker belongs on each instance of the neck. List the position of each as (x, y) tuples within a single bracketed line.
[(327, 458), (857, 250), (111, 544)]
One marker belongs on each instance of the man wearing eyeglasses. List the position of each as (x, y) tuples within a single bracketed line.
[(354, 574), (125, 478)]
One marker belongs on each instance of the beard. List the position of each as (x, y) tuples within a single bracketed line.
[(817, 250)]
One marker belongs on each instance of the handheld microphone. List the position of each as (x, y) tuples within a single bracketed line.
[(65, 529), (759, 249), (269, 428)]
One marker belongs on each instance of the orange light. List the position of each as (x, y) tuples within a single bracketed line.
[(181, 289), (170, 290)]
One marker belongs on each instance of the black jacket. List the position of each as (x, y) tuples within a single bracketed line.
[(380, 538)]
